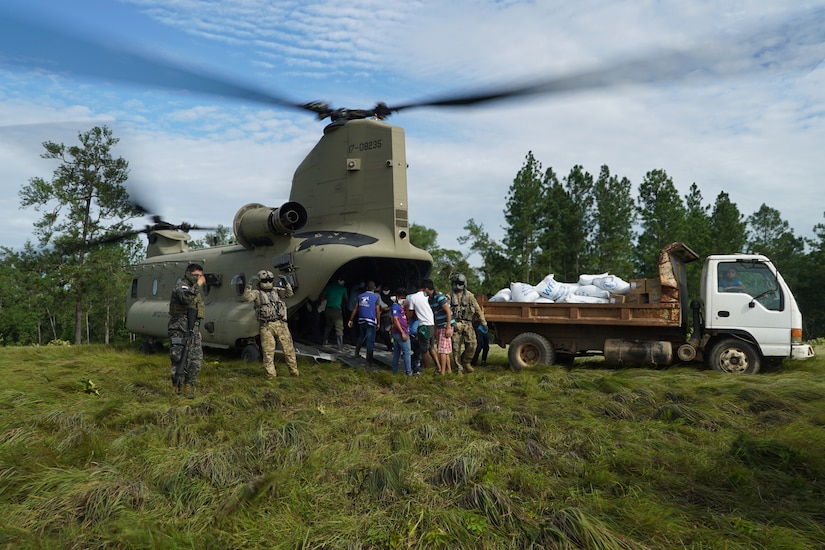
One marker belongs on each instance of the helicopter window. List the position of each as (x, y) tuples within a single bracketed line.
[(133, 292), (154, 287), (238, 282)]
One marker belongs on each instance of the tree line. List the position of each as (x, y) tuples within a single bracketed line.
[(586, 223), (69, 288)]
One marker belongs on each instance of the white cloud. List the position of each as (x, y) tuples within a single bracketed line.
[(756, 137)]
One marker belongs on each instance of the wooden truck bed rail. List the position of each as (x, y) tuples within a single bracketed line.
[(649, 315)]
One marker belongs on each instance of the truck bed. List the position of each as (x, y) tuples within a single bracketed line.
[(663, 314), (574, 329)]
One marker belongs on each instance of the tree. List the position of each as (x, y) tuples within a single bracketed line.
[(697, 233), (613, 217), (810, 292), (523, 214), (569, 223), (84, 201), (697, 236), (727, 226), (554, 257), (446, 263), (496, 270), (769, 234), (662, 215)]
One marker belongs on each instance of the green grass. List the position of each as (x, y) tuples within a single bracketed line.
[(590, 457)]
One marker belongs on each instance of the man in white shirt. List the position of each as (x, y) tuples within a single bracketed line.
[(419, 303)]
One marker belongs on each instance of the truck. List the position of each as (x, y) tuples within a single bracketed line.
[(735, 328)]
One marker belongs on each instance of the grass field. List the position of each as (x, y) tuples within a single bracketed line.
[(589, 457)]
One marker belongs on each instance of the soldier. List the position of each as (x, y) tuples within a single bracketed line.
[(464, 307), (185, 348), (270, 309)]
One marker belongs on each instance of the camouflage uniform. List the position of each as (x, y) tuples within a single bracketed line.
[(187, 294), (272, 317), (464, 307)]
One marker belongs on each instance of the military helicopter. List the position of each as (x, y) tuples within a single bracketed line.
[(347, 215), (346, 219)]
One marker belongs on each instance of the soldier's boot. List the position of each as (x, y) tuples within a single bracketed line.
[(369, 358), (340, 341), (468, 368), (189, 391), (177, 389), (358, 350)]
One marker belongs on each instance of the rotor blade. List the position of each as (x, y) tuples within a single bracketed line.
[(795, 44), (29, 43), (158, 226)]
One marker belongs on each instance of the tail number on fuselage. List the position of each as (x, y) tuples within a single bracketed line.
[(366, 146)]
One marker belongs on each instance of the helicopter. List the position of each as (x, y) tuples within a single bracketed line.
[(347, 215), (346, 219)]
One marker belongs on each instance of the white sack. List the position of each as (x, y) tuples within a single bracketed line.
[(588, 279), (523, 292), (550, 288), (591, 290), (579, 299), (502, 295), (612, 284)]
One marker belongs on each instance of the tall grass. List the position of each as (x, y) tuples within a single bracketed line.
[(588, 457)]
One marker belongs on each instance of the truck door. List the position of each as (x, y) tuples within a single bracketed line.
[(749, 296)]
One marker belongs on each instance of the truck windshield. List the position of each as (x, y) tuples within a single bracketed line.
[(753, 278)]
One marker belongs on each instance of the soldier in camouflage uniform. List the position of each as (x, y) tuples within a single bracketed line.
[(464, 307), (270, 309), (185, 296)]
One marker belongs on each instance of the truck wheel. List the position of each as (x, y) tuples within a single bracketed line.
[(529, 350), (735, 356), (251, 354)]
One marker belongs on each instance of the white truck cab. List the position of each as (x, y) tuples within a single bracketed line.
[(748, 305)]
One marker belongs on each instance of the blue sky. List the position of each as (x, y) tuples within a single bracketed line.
[(757, 134)]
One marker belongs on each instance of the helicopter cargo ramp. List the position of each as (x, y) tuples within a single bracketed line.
[(381, 357)]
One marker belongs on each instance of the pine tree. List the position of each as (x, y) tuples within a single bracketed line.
[(662, 215), (84, 200), (614, 216), (727, 226), (523, 214)]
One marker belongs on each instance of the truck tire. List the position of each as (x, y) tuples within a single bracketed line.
[(734, 356), (530, 350)]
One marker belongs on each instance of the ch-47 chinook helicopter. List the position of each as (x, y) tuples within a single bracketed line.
[(347, 216)]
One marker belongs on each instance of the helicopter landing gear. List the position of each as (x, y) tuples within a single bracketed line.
[(251, 353), (149, 347)]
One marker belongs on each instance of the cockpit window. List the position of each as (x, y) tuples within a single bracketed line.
[(752, 278)]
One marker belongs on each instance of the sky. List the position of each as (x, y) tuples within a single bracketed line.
[(739, 108)]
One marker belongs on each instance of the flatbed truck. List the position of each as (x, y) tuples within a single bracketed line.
[(733, 331)]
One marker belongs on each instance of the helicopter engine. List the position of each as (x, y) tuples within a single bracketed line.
[(256, 224)]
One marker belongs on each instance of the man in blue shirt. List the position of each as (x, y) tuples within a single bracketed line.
[(368, 311)]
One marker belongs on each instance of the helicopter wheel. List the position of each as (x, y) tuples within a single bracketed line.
[(251, 354), (146, 348)]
